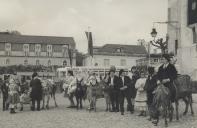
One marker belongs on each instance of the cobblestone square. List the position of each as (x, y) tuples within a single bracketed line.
[(63, 117)]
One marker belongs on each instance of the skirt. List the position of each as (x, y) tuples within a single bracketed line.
[(14, 98)]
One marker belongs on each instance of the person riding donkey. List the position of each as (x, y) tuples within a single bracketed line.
[(167, 73), (70, 85)]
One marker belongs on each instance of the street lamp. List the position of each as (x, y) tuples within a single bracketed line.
[(159, 43), (154, 33)]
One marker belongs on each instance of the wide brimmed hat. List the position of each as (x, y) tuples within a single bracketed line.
[(121, 71), (34, 74), (166, 56)]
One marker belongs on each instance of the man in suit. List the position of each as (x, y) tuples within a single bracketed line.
[(4, 90), (114, 93), (124, 85), (167, 73), (36, 92)]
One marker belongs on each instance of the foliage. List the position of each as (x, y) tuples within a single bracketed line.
[(161, 44), (26, 68)]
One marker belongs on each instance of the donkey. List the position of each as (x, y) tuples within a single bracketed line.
[(162, 101), (184, 92), (49, 90), (80, 93)]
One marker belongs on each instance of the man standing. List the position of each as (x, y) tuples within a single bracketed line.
[(36, 92), (4, 90), (124, 84), (114, 93)]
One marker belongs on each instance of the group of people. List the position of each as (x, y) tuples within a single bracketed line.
[(15, 91), (137, 88)]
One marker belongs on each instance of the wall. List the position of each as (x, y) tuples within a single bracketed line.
[(186, 53), (32, 61), (114, 60)]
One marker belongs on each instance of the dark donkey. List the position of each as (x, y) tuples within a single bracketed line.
[(184, 92), (162, 101), (80, 93)]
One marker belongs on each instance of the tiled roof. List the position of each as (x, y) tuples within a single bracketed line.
[(10, 38), (111, 49)]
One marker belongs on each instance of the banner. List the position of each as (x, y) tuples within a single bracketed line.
[(192, 12), (90, 43), (70, 53)]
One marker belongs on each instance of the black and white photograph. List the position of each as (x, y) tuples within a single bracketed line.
[(98, 63)]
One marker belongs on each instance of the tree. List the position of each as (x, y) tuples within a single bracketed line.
[(161, 44)]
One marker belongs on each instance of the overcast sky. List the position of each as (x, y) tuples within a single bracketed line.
[(111, 21)]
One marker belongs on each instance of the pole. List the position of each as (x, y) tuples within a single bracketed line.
[(148, 54)]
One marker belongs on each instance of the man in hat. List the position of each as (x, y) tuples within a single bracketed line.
[(114, 93), (36, 91), (167, 73)]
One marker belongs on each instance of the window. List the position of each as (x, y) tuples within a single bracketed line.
[(37, 49), (118, 49), (25, 62), (106, 62), (156, 60), (7, 61), (26, 49), (123, 62), (49, 62), (7, 49), (194, 35), (37, 62), (49, 50)]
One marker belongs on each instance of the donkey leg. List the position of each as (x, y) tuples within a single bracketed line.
[(95, 104), (77, 99), (186, 105), (54, 99), (171, 111), (43, 102), (177, 109), (190, 102), (165, 116), (47, 105), (81, 104)]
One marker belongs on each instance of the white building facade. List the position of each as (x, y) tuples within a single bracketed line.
[(35, 50), (183, 36), (116, 55)]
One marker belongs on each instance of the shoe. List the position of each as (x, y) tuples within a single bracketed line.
[(141, 114), (21, 109), (122, 113), (112, 111), (12, 111)]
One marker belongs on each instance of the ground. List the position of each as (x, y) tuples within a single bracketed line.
[(63, 117)]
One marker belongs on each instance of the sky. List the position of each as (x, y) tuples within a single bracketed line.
[(110, 21)]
